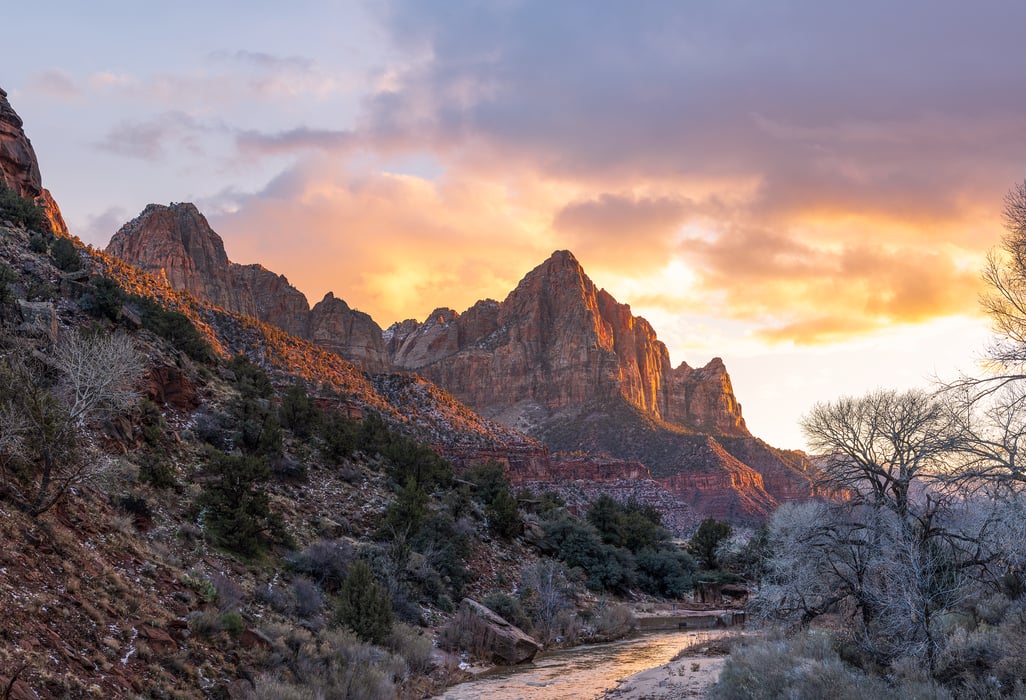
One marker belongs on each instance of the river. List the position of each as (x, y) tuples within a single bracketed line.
[(581, 673)]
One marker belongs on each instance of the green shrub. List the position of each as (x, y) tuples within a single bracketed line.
[(157, 470), (65, 255), (339, 437), (236, 511), (508, 608), (7, 300), (666, 572), (21, 211), (232, 623), (173, 326), (446, 548), (503, 516), (486, 481), (104, 299), (38, 244), (631, 525), (707, 538), (364, 606), (297, 411), (579, 545), (404, 516)]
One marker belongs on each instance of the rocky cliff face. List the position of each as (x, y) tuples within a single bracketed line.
[(176, 242), (558, 341), (566, 363), (19, 168)]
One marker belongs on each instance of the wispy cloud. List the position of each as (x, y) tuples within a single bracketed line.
[(152, 139), (54, 83)]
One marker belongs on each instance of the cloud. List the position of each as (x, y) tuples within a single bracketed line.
[(255, 143), (264, 61), (792, 290), (152, 139), (54, 83), (624, 230), (394, 246)]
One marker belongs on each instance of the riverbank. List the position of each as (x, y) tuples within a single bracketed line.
[(689, 674)]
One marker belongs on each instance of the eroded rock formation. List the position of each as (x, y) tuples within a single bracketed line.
[(19, 168), (176, 242), (558, 341), (566, 363)]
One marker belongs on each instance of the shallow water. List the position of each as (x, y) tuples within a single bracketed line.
[(580, 673)]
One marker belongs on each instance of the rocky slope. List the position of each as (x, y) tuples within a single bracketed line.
[(177, 243), (19, 168), (565, 362)]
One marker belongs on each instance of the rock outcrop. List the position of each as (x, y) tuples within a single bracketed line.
[(558, 341), (177, 242), (19, 168), (566, 363)]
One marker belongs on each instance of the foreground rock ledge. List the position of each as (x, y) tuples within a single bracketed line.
[(490, 636)]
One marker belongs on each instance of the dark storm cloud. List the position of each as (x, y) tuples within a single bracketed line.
[(668, 88)]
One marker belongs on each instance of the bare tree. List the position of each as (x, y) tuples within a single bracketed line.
[(42, 420), (1005, 274), (878, 448), (889, 553)]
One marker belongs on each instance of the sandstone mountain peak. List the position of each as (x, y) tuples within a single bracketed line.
[(568, 364), (19, 168), (177, 242)]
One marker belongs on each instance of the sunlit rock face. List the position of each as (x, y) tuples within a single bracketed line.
[(567, 363), (176, 242), (558, 341), (19, 168)]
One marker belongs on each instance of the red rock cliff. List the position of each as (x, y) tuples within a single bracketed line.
[(177, 242), (19, 168), (558, 341)]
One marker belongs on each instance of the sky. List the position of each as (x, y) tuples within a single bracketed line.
[(805, 189)]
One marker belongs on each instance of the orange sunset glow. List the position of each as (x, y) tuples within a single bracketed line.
[(807, 194)]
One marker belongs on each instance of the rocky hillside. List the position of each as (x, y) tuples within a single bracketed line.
[(176, 243)]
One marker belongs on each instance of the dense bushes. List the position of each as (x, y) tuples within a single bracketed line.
[(808, 666), (21, 211), (173, 326), (601, 547), (65, 255)]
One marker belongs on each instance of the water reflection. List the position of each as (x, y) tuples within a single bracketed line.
[(580, 673)]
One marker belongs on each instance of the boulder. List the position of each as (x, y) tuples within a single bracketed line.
[(39, 317), (159, 640), (490, 636), (166, 385)]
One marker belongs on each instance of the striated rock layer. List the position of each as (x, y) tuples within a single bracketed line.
[(176, 242), (566, 363), (19, 169)]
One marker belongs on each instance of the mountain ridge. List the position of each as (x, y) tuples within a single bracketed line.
[(558, 359)]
